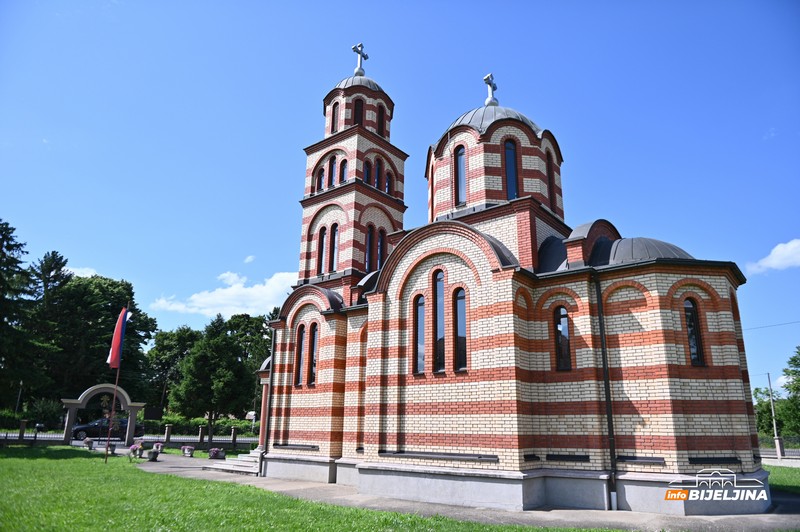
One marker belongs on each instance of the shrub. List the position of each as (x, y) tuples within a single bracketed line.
[(46, 411), (9, 420)]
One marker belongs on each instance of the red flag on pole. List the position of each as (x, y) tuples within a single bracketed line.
[(115, 353)]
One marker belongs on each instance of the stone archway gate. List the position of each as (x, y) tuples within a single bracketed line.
[(124, 401)]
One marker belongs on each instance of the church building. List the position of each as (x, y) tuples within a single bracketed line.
[(496, 356)]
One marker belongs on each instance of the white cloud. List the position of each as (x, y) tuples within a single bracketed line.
[(250, 258), (782, 381), (232, 279), (83, 272), (781, 257), (234, 298)]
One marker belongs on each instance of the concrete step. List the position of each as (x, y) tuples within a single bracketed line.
[(243, 464), (224, 465)]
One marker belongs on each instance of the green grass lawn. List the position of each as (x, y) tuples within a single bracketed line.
[(64, 488), (784, 478)]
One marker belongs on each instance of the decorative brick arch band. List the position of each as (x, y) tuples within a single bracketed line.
[(415, 237)]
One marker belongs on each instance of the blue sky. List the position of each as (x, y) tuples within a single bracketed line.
[(162, 142)]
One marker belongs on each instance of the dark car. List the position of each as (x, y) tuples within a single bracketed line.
[(99, 429)]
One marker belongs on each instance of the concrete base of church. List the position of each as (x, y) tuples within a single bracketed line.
[(311, 468), (559, 488), (517, 491)]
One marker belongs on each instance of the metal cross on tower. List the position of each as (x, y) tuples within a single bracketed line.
[(489, 80), (359, 49)]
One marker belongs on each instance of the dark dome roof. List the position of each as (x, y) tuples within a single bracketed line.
[(638, 249), (481, 118), (363, 81)]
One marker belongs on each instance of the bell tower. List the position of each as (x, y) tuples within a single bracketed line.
[(354, 187)]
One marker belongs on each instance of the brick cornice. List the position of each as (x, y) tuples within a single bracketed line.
[(339, 137)]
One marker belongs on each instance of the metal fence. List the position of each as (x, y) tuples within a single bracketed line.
[(32, 437)]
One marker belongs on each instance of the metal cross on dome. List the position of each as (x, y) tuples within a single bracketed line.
[(489, 80), (359, 49)]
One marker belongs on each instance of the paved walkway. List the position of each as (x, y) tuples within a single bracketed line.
[(785, 516)]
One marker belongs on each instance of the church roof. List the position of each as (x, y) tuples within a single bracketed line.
[(362, 81), (607, 252), (481, 118), (637, 249)]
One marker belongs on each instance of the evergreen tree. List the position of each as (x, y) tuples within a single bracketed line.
[(16, 370)]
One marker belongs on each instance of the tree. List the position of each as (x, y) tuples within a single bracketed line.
[(169, 350), (215, 380), (87, 312), (254, 337), (15, 340), (792, 374)]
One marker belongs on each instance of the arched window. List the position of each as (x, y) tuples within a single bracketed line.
[(561, 328), (321, 180), (335, 118), (321, 252), (460, 328), (334, 251), (378, 172), (419, 335), (551, 181), (312, 355), (298, 374), (370, 259), (388, 188), (367, 172), (460, 180), (332, 172), (381, 119), (511, 169), (438, 324), (343, 172), (381, 248), (358, 112), (693, 332)]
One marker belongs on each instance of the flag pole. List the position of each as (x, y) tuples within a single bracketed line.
[(116, 385)]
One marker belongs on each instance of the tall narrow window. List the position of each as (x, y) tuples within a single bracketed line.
[(343, 172), (511, 169), (370, 259), (460, 177), (321, 252), (358, 112), (378, 172), (381, 248), (388, 188), (335, 118), (332, 172), (312, 355), (438, 329), (561, 326), (460, 326), (419, 335), (367, 173), (381, 119), (301, 336), (320, 180), (334, 251), (551, 181), (693, 332)]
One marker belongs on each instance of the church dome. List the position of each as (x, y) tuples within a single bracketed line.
[(481, 118), (626, 250), (362, 81)]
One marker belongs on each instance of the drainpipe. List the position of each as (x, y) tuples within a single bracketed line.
[(612, 447)]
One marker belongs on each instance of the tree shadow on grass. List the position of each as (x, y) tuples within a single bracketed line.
[(51, 453)]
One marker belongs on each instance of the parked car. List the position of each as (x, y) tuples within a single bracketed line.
[(99, 429)]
